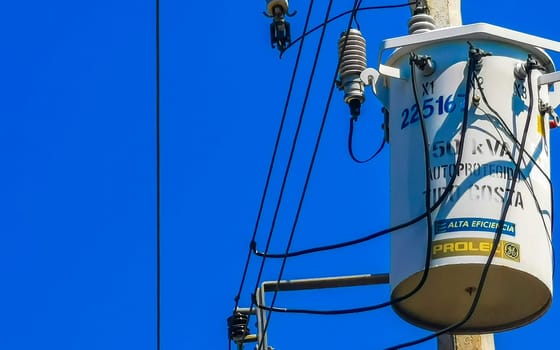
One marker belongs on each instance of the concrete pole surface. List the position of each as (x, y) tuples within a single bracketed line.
[(447, 13), (466, 342)]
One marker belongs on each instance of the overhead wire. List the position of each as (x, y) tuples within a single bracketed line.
[(355, 16), (383, 232), (273, 158), (261, 207), (340, 15), (517, 173), (288, 166), (158, 178), (316, 148), (427, 214), (351, 148), (308, 251), (496, 239)]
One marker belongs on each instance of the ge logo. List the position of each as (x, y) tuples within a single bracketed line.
[(511, 251)]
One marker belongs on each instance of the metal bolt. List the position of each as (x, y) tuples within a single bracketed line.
[(476, 99)]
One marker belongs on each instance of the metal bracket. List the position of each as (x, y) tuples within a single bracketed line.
[(371, 77), (305, 284), (554, 80), (478, 31), (549, 100)]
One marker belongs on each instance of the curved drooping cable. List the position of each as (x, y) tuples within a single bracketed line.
[(429, 209), (351, 148), (391, 229), (495, 242), (355, 16), (383, 232)]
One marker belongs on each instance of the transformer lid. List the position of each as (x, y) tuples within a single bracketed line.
[(478, 31)]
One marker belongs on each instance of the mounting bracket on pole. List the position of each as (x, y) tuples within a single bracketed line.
[(298, 285)]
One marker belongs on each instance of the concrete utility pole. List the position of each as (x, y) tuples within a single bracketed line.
[(447, 13), (466, 342)]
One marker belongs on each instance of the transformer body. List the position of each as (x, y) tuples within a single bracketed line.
[(518, 287)]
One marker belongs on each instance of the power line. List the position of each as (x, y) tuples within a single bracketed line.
[(158, 186), (383, 232), (272, 161), (326, 22), (292, 152), (355, 17), (427, 215)]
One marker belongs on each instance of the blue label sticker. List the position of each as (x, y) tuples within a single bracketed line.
[(473, 224)]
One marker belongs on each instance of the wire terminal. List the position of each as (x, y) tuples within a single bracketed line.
[(280, 32)]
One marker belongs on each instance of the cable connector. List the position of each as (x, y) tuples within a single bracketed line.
[(476, 54), (423, 63), (280, 32), (521, 69)]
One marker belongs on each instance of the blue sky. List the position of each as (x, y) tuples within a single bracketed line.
[(77, 215)]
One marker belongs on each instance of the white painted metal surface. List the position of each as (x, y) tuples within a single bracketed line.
[(519, 286)]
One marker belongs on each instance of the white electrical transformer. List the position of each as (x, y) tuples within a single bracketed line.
[(518, 287)]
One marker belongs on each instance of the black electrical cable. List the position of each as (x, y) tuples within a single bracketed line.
[(383, 232), (508, 131), (526, 181), (512, 137), (531, 189), (380, 7), (351, 149), (272, 162), (464, 127), (428, 186), (158, 183), (288, 166), (273, 159), (355, 16), (496, 240), (315, 152)]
